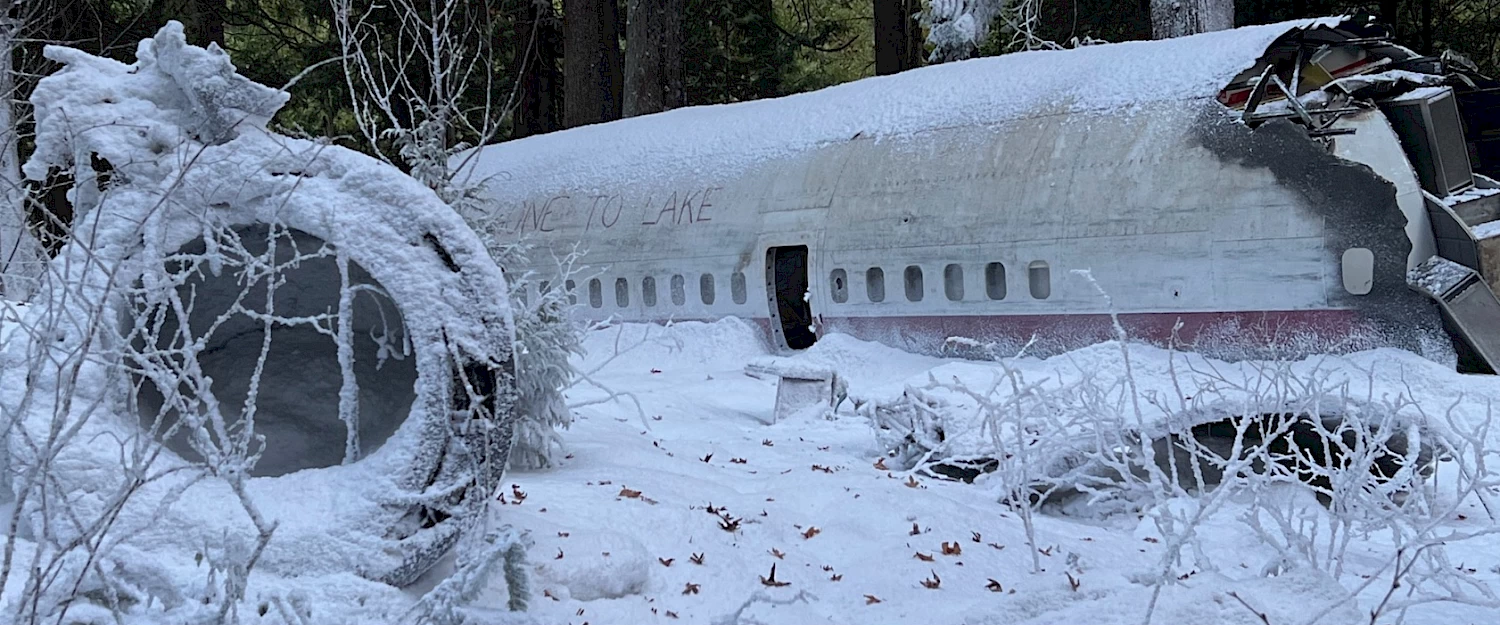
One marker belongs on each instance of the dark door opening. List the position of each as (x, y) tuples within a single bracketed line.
[(787, 269)]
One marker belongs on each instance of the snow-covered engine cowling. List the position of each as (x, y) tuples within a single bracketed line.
[(317, 339)]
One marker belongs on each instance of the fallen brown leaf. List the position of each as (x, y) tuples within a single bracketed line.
[(627, 493), (933, 583), (778, 553), (771, 581), (691, 589), (696, 558), (729, 525), (994, 586), (559, 555), (911, 481), (880, 464), (1073, 582), (670, 614), (811, 532), (738, 461), (871, 599), (952, 549), (975, 537), (922, 556), (837, 577), (666, 561), (915, 529)]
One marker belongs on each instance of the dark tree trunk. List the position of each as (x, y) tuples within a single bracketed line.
[(209, 15), (591, 62), (1427, 40), (891, 37), (915, 41), (653, 57), (898, 36), (202, 20), (762, 41), (535, 41), (1178, 18)]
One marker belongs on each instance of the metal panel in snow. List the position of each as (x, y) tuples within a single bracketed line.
[(1467, 300), (1430, 129)]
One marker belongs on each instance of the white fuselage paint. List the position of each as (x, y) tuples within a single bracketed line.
[(1375, 145), (1160, 225)]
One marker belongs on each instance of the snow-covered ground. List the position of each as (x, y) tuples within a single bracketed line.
[(623, 533)]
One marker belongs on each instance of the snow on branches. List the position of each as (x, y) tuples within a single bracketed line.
[(956, 28)]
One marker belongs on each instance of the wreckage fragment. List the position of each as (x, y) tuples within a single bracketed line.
[(268, 305)]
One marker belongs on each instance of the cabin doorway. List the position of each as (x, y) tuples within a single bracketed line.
[(791, 308)]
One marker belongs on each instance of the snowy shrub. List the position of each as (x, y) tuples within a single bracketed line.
[(546, 340), (1194, 438), (453, 39), (956, 28), (960, 29)]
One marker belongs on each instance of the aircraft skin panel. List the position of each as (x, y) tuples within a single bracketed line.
[(1174, 210)]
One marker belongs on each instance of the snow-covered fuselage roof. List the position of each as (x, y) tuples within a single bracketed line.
[(720, 141)]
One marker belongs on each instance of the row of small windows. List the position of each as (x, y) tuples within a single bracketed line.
[(676, 289), (1038, 278)]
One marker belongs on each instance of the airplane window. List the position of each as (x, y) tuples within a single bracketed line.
[(1040, 277), (913, 280), (953, 282), (737, 287), (596, 294), (679, 290), (994, 280), (1359, 270), (840, 281), (572, 292), (648, 291), (622, 293), (875, 284), (706, 288)]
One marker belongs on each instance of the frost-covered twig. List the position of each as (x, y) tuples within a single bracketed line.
[(613, 395), (411, 85), (737, 617), (444, 604)]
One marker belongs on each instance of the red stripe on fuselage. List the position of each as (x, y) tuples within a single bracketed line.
[(1305, 329)]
